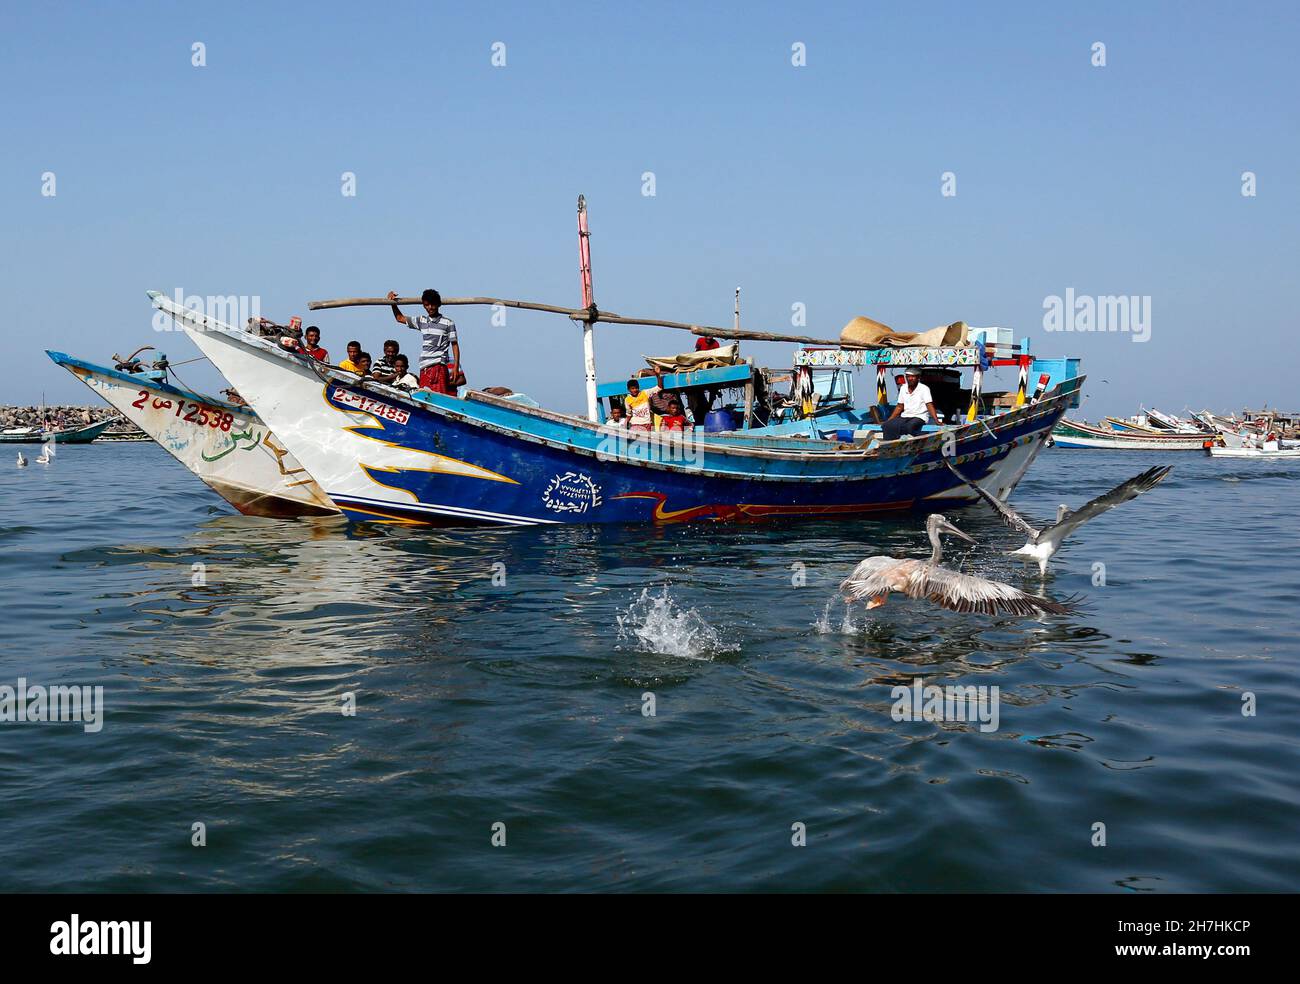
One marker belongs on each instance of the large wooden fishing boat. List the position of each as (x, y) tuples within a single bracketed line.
[(384, 454)]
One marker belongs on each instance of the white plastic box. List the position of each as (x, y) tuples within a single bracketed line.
[(992, 337)]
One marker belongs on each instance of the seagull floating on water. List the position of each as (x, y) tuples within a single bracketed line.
[(22, 460), (876, 577), (1042, 543)]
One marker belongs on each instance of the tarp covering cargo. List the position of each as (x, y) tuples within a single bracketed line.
[(865, 333), (724, 355)]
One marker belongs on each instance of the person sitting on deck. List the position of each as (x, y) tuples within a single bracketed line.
[(384, 370), (705, 343), (362, 363), (637, 402), (915, 406), (440, 348), (616, 416), (311, 344), (674, 419), (401, 375), (350, 363)]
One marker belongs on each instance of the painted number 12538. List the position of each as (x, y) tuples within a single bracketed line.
[(199, 414)]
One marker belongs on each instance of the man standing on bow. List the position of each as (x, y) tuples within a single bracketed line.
[(440, 349)]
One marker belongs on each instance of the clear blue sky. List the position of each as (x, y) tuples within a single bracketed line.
[(818, 184)]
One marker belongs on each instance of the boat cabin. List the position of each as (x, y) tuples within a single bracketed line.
[(815, 398)]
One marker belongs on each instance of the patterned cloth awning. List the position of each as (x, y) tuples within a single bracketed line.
[(966, 355)]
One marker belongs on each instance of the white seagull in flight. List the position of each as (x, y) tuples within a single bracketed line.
[(1042, 543)]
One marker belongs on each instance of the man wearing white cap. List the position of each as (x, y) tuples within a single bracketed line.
[(914, 407)]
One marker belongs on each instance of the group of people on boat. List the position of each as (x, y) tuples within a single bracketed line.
[(655, 408), (439, 367), (649, 409)]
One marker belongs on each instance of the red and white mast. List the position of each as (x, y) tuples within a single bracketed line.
[(588, 302)]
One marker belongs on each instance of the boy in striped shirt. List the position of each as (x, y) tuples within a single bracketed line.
[(440, 348)]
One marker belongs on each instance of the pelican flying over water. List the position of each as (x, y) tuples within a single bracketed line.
[(1042, 543), (876, 577)]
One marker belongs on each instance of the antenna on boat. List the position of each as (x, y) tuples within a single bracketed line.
[(588, 302)]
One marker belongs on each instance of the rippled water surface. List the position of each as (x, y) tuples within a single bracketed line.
[(521, 702)]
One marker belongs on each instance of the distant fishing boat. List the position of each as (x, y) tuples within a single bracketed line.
[(227, 446), (1128, 426), (1271, 451), (1168, 423), (71, 435), (1080, 434)]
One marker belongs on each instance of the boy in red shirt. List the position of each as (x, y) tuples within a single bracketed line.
[(674, 419)]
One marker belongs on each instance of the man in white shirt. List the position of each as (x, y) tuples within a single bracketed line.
[(401, 376), (915, 406)]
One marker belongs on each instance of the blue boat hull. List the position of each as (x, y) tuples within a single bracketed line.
[(553, 484)]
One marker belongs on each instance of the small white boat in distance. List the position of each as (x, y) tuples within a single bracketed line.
[(1270, 450)]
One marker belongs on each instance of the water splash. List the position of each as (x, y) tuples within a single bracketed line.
[(847, 627), (824, 626), (656, 624)]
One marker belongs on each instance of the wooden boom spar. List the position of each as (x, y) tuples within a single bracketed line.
[(592, 314)]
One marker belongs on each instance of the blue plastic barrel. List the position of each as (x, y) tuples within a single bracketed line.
[(719, 420), (844, 436)]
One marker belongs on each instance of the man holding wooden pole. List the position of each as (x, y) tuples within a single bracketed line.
[(440, 348)]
